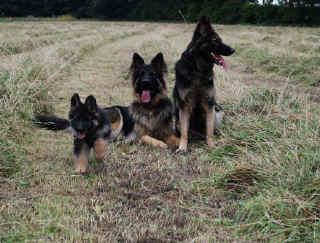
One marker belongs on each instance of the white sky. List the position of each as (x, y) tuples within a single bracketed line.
[(274, 1)]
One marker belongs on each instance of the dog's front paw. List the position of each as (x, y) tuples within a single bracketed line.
[(210, 142), (79, 171), (163, 145), (182, 148)]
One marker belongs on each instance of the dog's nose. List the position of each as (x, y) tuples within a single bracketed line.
[(146, 79), (232, 51)]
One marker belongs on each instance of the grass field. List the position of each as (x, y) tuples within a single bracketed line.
[(261, 182)]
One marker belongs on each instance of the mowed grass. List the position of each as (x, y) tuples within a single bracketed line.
[(259, 184), (286, 52)]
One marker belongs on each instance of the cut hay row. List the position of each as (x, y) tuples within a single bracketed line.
[(25, 42)]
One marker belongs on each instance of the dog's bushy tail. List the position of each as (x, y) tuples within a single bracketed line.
[(52, 123)]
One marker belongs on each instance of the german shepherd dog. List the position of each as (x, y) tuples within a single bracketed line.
[(194, 92), (91, 126), (151, 110)]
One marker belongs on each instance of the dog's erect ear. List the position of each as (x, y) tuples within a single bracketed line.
[(91, 103), (137, 62), (204, 20), (75, 100), (203, 28), (159, 64)]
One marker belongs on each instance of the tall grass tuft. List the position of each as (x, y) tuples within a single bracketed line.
[(22, 93), (275, 137)]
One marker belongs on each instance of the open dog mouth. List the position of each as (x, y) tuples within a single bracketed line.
[(219, 60), (81, 135), (146, 96)]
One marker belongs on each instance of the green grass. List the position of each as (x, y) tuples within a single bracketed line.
[(302, 69), (19, 99), (285, 156), (271, 167)]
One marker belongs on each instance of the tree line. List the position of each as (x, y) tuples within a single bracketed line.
[(303, 12)]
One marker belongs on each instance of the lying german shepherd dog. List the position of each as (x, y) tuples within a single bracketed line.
[(194, 92), (91, 126), (151, 110)]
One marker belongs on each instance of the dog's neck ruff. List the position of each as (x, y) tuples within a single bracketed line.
[(191, 61), (188, 58), (152, 119)]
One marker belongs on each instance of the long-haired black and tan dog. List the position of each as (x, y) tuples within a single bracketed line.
[(92, 127), (151, 110), (194, 91)]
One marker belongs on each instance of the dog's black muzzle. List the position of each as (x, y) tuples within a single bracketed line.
[(146, 78), (146, 83), (81, 126), (226, 50)]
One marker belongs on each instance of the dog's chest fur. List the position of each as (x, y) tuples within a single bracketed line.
[(194, 80), (152, 118), (199, 91)]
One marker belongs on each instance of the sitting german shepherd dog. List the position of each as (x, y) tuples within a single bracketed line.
[(194, 91), (91, 126), (151, 110)]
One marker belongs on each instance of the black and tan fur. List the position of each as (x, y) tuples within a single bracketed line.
[(194, 92), (92, 128), (151, 110)]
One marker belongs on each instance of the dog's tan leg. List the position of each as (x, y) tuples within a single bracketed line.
[(184, 116), (210, 124), (153, 141), (173, 141), (100, 148), (81, 159)]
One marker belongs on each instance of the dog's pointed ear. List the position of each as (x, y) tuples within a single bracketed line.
[(203, 27), (205, 20), (91, 103), (137, 62), (75, 100), (159, 64)]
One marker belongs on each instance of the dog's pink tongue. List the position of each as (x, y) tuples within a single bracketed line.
[(220, 60), (81, 135), (224, 64), (145, 97)]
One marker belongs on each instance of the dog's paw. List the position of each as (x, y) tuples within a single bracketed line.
[(79, 172), (210, 142), (163, 145), (182, 148), (219, 117), (180, 151)]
